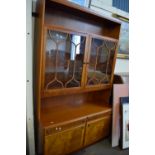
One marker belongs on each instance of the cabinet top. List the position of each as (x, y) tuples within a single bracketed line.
[(58, 113), (71, 5)]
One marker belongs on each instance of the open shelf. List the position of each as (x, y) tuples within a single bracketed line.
[(74, 90), (66, 15), (72, 7), (58, 113)]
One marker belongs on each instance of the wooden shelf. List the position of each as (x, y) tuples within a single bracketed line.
[(60, 113), (74, 90), (74, 7), (67, 15)]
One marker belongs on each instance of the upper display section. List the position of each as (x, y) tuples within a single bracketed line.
[(77, 48), (71, 16), (85, 10)]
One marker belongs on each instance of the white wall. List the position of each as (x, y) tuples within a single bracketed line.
[(101, 2), (122, 66), (29, 80), (106, 5)]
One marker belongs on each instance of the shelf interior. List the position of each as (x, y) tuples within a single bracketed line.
[(66, 108), (64, 16)]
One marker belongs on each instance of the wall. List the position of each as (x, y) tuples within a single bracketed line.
[(105, 7), (30, 142), (122, 66)]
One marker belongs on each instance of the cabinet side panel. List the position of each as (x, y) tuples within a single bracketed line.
[(37, 68)]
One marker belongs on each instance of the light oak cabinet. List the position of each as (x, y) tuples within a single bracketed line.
[(74, 64), (69, 138)]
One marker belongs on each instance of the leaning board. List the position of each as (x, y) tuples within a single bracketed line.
[(119, 90)]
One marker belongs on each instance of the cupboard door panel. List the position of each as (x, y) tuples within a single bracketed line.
[(64, 142), (97, 129), (101, 61), (64, 57)]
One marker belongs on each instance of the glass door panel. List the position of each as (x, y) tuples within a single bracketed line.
[(101, 61), (64, 56)]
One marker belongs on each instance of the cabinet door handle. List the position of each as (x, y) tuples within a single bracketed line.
[(59, 128)]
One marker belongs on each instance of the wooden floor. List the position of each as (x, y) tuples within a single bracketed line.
[(102, 148)]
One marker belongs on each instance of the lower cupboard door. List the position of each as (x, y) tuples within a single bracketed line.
[(64, 142), (97, 129)]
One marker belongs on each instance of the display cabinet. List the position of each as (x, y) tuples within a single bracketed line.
[(74, 64)]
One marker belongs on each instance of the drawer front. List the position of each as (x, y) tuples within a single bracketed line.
[(65, 142), (61, 127), (97, 129)]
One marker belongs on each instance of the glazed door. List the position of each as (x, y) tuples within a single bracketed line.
[(64, 142), (64, 57), (101, 61)]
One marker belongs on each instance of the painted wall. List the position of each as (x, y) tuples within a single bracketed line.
[(29, 80), (101, 2), (106, 5), (122, 66)]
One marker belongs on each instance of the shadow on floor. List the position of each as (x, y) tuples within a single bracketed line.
[(102, 148)]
